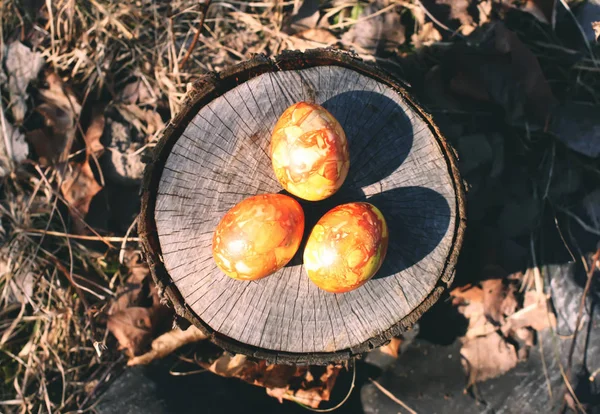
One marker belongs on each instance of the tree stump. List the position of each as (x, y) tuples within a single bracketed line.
[(215, 153)]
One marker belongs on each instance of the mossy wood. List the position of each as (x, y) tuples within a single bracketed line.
[(215, 153)]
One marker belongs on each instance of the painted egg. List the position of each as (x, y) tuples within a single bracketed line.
[(258, 236), (309, 152), (346, 247)]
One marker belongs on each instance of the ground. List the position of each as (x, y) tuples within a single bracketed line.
[(87, 87)]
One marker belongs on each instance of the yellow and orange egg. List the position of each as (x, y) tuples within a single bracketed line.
[(346, 247), (309, 151), (258, 236)]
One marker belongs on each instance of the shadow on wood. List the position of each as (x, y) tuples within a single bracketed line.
[(380, 134)]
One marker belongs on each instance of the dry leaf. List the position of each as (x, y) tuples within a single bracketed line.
[(426, 36), (535, 313), (318, 35), (144, 120), (60, 111), (576, 125), (506, 72), (78, 188), (461, 15), (374, 35), (312, 391), (393, 347), (20, 280), (17, 150), (136, 92), (306, 385), (94, 132), (123, 163), (22, 66), (495, 324), (137, 315), (596, 29), (167, 343), (306, 17), (137, 287), (498, 299), (487, 357), (133, 329)]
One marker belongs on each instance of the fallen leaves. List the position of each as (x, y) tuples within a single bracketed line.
[(374, 33), (306, 385), (137, 315), (576, 125), (17, 280), (60, 110), (500, 329), (323, 36), (79, 188), (22, 66), (504, 71), (167, 343), (393, 347), (487, 357), (13, 147), (94, 132)]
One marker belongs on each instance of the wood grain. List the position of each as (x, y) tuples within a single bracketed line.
[(220, 156)]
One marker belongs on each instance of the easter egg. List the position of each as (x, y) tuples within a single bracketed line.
[(346, 247), (309, 152), (258, 236)]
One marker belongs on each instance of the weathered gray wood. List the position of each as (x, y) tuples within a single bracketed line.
[(397, 163)]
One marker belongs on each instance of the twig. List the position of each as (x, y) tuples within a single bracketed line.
[(588, 283), (126, 239), (579, 221), (581, 31), (392, 396), (328, 410), (204, 5), (116, 239)]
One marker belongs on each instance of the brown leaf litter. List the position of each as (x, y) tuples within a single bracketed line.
[(375, 33), (168, 343), (501, 326), (504, 71), (79, 188), (301, 384), (137, 315), (60, 110), (94, 132), (306, 385), (22, 66), (393, 347), (13, 147)]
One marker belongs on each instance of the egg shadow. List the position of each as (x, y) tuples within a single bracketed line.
[(379, 133), (418, 219)]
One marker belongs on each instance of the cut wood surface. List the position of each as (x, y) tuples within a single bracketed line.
[(215, 154)]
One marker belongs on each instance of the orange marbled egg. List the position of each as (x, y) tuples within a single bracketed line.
[(258, 236), (346, 247), (309, 152)]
